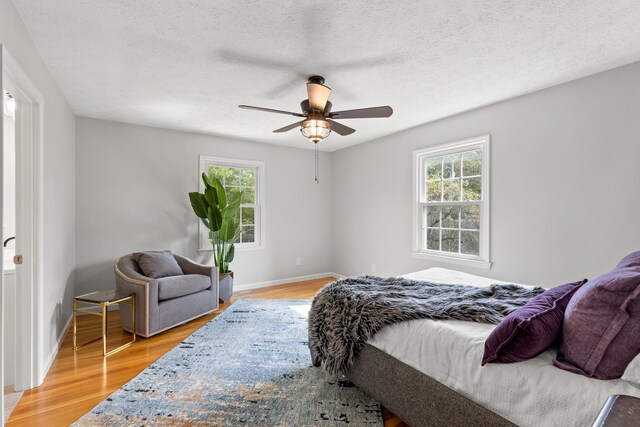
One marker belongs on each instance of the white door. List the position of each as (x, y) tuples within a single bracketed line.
[(9, 244), (28, 323), (1, 265)]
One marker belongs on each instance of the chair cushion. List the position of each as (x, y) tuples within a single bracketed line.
[(157, 264), (179, 286)]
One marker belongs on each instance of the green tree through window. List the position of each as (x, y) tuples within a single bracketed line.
[(453, 191), (234, 180)]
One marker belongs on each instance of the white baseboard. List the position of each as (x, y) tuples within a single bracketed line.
[(266, 284), (55, 350)]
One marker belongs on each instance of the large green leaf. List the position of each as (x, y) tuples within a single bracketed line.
[(222, 195), (215, 218), (233, 206), (237, 235), (199, 204), (206, 180), (230, 254), (229, 227), (211, 195), (223, 229)]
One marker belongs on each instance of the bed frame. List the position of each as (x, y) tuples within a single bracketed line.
[(414, 397)]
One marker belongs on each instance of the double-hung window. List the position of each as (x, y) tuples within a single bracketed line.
[(451, 203), (246, 176)]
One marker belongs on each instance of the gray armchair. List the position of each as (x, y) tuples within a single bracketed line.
[(169, 301)]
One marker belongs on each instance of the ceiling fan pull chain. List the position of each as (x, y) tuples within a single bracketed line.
[(317, 164)]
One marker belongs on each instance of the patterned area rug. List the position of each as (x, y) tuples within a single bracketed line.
[(248, 366)]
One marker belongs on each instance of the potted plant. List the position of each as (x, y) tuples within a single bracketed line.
[(220, 216)]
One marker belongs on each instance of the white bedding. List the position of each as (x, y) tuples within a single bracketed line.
[(530, 393)]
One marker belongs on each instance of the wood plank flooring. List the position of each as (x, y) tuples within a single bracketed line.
[(77, 381), (11, 398)]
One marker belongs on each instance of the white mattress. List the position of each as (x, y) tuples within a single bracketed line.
[(530, 393)]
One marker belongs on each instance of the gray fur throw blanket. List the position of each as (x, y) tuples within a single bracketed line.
[(346, 313)]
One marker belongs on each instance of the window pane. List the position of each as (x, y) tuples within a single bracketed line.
[(472, 189), (231, 191), (434, 168), (248, 196), (472, 163), (471, 217), (248, 235), (234, 177), (433, 216), (248, 177), (217, 172), (470, 243), (248, 216), (433, 239), (451, 190), (448, 167), (450, 240), (450, 215), (456, 165), (434, 191)]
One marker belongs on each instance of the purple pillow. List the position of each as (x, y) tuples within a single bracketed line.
[(602, 323), (531, 329)]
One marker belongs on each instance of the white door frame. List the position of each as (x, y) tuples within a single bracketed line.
[(30, 364), (2, 334)]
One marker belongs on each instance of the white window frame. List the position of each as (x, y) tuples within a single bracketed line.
[(483, 260), (259, 213)]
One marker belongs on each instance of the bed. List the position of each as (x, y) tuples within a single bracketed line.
[(428, 373)]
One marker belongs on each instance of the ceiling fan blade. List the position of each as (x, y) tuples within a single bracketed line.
[(318, 95), (363, 113), (270, 110), (341, 129), (287, 128)]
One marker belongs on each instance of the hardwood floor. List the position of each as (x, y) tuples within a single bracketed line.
[(77, 381), (11, 399)]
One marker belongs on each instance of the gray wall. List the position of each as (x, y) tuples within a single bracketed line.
[(565, 198), (59, 176), (132, 195)]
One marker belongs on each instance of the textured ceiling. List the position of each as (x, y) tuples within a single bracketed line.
[(188, 64)]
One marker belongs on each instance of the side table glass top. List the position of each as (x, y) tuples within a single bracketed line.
[(99, 297)]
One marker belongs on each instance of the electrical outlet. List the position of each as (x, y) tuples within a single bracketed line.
[(298, 261), (373, 268)]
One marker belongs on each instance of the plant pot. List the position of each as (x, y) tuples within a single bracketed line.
[(225, 286)]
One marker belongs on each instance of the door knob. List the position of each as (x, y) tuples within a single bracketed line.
[(17, 259)]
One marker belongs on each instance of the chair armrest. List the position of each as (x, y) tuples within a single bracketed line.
[(146, 291), (132, 277), (190, 267)]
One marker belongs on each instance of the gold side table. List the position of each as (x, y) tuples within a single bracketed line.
[(103, 299)]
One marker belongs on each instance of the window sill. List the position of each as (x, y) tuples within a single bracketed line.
[(485, 265), (237, 249)]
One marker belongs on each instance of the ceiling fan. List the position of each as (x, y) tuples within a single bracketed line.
[(318, 119)]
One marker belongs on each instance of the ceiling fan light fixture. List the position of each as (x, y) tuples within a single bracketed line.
[(315, 129)]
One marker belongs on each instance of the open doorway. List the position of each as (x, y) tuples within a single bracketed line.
[(21, 341)]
